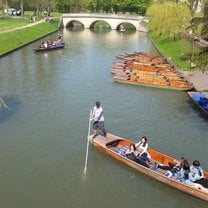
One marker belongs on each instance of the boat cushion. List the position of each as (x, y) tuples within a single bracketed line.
[(197, 96)]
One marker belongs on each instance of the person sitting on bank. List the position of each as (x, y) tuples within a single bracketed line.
[(197, 174)]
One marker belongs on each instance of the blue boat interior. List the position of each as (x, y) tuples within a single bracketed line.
[(201, 100)]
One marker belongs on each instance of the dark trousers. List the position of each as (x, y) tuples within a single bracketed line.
[(203, 182), (100, 128), (138, 160)]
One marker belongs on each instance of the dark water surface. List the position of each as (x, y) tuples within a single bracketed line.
[(43, 140)]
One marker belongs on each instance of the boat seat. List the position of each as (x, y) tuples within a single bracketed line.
[(172, 175), (122, 150)]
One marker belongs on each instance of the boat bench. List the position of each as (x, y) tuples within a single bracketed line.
[(168, 173)]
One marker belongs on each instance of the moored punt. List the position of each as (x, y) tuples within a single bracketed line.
[(115, 146), (154, 83), (200, 99), (151, 71)]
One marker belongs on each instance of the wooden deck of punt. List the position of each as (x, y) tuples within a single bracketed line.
[(114, 146), (176, 85), (146, 69), (122, 74)]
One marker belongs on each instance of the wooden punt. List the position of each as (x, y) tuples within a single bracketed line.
[(182, 86), (200, 99), (122, 78), (49, 48), (115, 146), (151, 71)]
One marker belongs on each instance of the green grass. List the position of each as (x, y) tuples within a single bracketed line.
[(178, 51), (9, 23), (16, 39)]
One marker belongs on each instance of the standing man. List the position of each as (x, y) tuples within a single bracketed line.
[(98, 117)]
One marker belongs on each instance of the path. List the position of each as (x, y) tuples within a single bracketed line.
[(199, 80), (21, 27)]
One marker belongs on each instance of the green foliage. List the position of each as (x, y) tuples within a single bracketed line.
[(177, 52), (168, 19), (201, 60), (136, 6)]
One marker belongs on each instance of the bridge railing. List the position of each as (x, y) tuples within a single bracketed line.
[(98, 15)]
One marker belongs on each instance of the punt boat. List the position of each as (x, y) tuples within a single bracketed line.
[(115, 146), (147, 70), (49, 48), (200, 99)]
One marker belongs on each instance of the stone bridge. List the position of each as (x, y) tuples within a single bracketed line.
[(114, 20)]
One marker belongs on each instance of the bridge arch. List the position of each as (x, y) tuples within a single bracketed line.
[(93, 23), (72, 23)]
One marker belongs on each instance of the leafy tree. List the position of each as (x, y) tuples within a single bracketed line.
[(204, 31), (201, 59), (168, 19), (136, 6)]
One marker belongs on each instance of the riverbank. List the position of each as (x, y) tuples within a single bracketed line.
[(172, 51), (15, 38), (198, 78)]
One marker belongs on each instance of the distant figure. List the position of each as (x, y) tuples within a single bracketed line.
[(121, 28), (59, 36), (45, 13), (98, 117)]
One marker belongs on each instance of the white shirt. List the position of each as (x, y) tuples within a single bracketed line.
[(140, 148), (98, 114)]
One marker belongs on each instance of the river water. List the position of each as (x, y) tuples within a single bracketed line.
[(43, 135)]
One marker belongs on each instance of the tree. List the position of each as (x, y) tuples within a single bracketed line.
[(168, 19), (204, 31), (201, 59), (22, 7), (136, 6)]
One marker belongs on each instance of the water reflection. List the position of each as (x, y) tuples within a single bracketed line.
[(42, 147)]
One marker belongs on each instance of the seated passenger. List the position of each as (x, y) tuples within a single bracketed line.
[(173, 168), (185, 168), (197, 174), (132, 154), (188, 182), (142, 147)]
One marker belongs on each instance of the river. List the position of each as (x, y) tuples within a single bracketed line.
[(43, 135)]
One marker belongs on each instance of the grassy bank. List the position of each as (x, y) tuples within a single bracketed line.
[(177, 52), (10, 23), (18, 38)]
